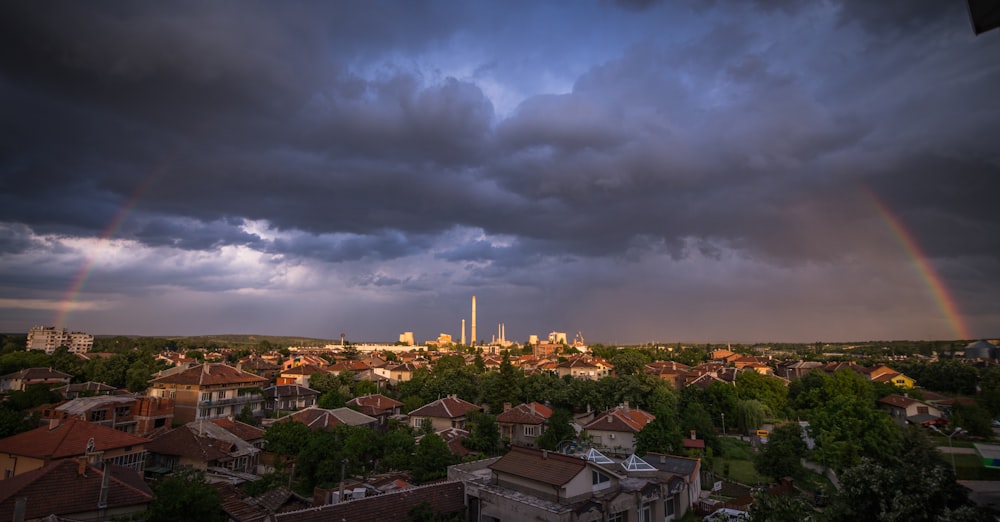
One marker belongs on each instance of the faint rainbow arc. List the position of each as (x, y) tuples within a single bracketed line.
[(942, 297), (79, 280)]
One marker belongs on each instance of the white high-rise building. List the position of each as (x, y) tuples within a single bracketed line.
[(48, 338)]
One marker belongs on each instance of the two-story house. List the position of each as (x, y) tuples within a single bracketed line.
[(614, 431), (289, 397), (524, 423), (70, 439), (447, 412), (21, 379), (205, 446), (209, 391)]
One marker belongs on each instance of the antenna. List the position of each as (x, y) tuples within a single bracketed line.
[(90, 445)]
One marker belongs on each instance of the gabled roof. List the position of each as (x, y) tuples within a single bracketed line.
[(36, 374), (533, 413), (450, 407), (539, 465), (201, 441), (348, 365), (81, 405), (898, 401), (374, 404), (210, 374), (240, 429), (621, 418), (89, 386), (303, 369), (320, 419), (67, 438), (60, 489)]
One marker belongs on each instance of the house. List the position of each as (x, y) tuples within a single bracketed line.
[(347, 365), (20, 380), (796, 369), (75, 490), (884, 374), (84, 389), (904, 409), (289, 397), (205, 446), (398, 373), (240, 507), (453, 438), (300, 359), (583, 367), (250, 434), (259, 366), (378, 406), (299, 374), (323, 419), (129, 413), (530, 484), (683, 489), (614, 430), (522, 424), (670, 371), (70, 439), (209, 391), (449, 412)]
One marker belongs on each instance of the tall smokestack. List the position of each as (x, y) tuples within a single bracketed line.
[(463, 332), (473, 320)]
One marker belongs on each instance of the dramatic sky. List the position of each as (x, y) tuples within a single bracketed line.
[(635, 170)]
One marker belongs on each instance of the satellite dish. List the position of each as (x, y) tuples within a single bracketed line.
[(90, 445)]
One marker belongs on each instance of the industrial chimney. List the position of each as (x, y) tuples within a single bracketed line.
[(463, 332), (473, 320)]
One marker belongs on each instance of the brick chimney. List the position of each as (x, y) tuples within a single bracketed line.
[(506, 406)]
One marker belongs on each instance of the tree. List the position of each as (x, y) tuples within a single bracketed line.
[(484, 434), (663, 435), (629, 362), (558, 428), (781, 456), (324, 382), (246, 416), (748, 415), (184, 495), (398, 449), (431, 459), (780, 508), (974, 418), (770, 391), (917, 486), (848, 428), (286, 437)]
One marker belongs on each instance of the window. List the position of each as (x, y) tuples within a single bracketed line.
[(98, 415), (668, 506), (529, 431), (646, 512), (206, 396), (601, 481), (620, 516)]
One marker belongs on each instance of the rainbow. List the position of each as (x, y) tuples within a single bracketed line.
[(945, 302), (72, 294)]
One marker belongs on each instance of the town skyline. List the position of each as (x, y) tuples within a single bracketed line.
[(632, 170)]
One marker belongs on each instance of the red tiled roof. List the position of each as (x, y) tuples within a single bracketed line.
[(898, 401), (68, 438), (450, 407), (209, 374), (374, 404), (321, 419), (538, 465), (242, 430), (59, 489), (184, 442), (524, 414), (621, 419), (303, 369)]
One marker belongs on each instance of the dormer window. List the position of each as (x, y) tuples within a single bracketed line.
[(601, 481)]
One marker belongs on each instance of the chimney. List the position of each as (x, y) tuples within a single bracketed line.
[(545, 454), (693, 437), (532, 406), (625, 405), (663, 459), (610, 420), (53, 424), (473, 320), (81, 466), (506, 406)]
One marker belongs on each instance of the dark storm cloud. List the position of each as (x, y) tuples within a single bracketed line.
[(488, 143)]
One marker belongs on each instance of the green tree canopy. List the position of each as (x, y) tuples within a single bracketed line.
[(184, 495), (558, 427), (781, 456), (431, 459)]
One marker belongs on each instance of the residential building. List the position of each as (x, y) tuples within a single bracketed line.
[(250, 434), (614, 431), (138, 415), (205, 446), (904, 409), (398, 373), (289, 397), (524, 423), (209, 391), (260, 366), (70, 439), (448, 412), (378, 406), (21, 379), (443, 498), (299, 374), (75, 490), (884, 374), (49, 338)]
